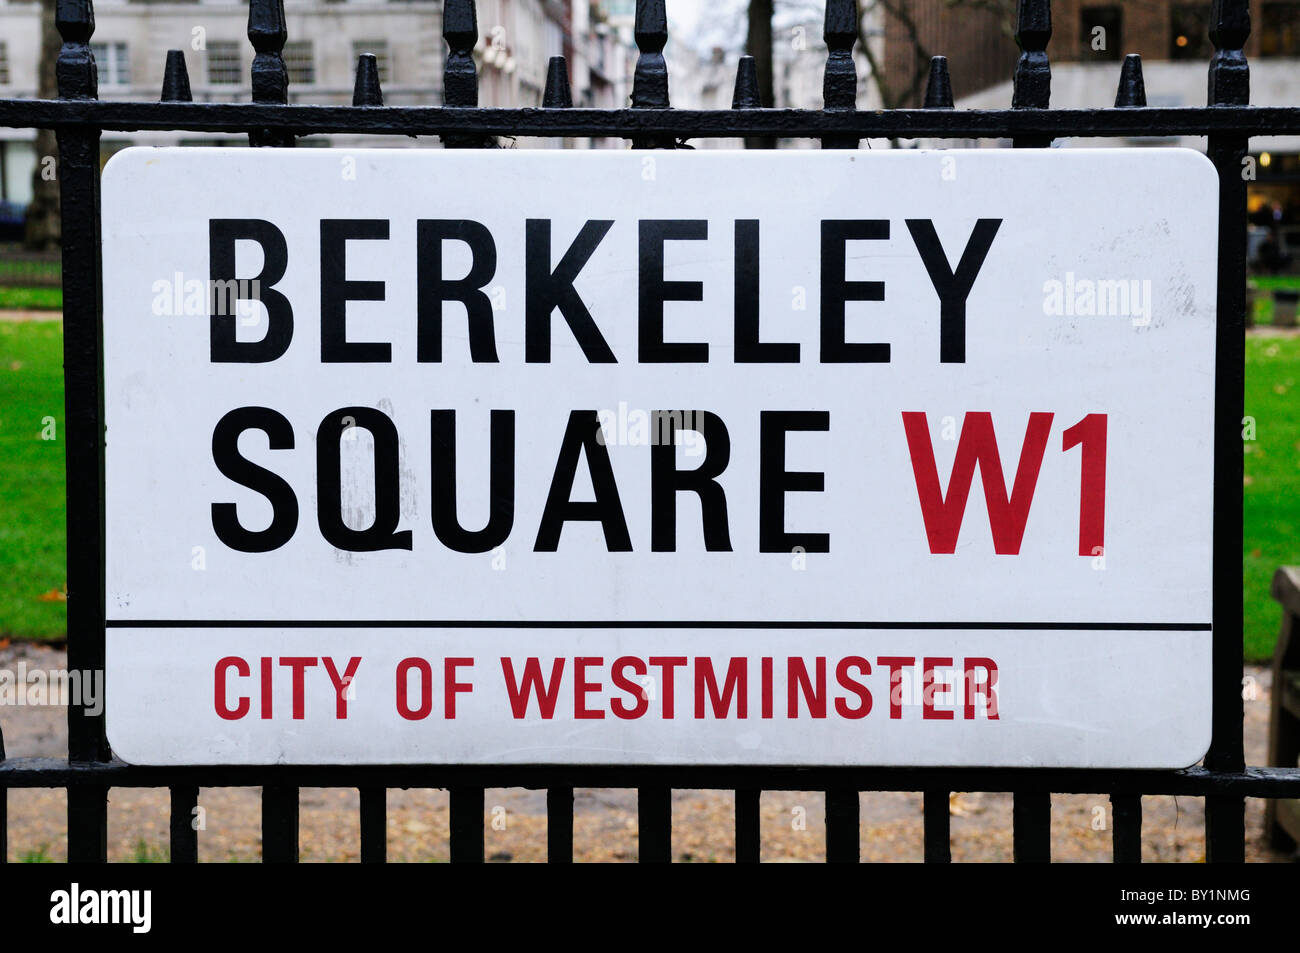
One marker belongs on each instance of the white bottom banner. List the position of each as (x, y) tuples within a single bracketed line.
[(561, 694)]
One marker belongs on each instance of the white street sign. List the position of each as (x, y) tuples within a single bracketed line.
[(842, 458)]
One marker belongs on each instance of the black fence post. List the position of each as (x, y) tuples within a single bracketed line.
[(184, 833), (1229, 85), (650, 79), (1031, 822), (1032, 86), (654, 811), (938, 830), (840, 81), (279, 824), (748, 825), (1126, 828), (467, 825), (78, 174), (843, 826), (374, 824), (559, 825), (459, 75), (4, 808), (267, 32)]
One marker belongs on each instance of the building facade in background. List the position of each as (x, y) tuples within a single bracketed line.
[(131, 40), (1089, 41)]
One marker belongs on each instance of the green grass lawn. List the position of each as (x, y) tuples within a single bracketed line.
[(32, 552), (31, 299), (1272, 507), (31, 481)]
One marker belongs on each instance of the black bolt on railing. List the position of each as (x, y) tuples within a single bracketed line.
[(840, 81), (557, 94), (746, 95), (176, 79), (367, 90), (938, 88), (1132, 90), (79, 118)]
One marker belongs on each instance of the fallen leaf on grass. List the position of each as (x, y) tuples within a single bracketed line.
[(54, 595)]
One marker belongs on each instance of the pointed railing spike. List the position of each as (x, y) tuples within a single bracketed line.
[(1033, 79), (459, 76), (1132, 89), (557, 94), (938, 89), (746, 95), (367, 90), (75, 66), (1229, 80), (176, 79)]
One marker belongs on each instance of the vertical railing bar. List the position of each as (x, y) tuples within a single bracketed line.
[(843, 826), (374, 824), (467, 844), (4, 808), (1032, 83), (748, 825), (650, 78), (1031, 821), (938, 830), (654, 811), (1126, 828), (78, 174), (840, 81), (267, 31), (184, 833), (459, 75), (280, 824), (559, 825), (1229, 84)]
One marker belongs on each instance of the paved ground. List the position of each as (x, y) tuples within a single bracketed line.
[(604, 820)]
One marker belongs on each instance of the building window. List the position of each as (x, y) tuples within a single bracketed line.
[(377, 47), (1279, 33), (224, 68), (300, 63), (1189, 33), (1100, 33), (111, 60), (4, 63)]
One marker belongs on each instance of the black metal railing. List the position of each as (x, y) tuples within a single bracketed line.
[(79, 117)]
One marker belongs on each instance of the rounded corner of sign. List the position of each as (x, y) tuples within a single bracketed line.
[(122, 157), (120, 753)]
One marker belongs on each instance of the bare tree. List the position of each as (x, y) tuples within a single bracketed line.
[(42, 228)]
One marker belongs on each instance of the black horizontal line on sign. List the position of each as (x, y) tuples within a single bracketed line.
[(643, 624)]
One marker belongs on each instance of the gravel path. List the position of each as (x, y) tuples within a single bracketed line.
[(604, 820)]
